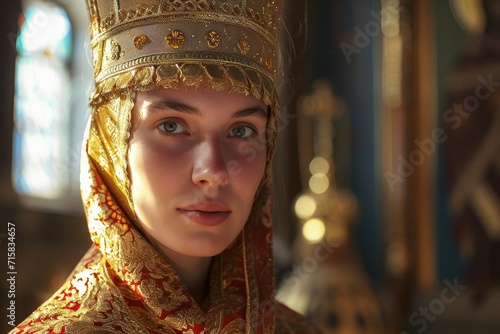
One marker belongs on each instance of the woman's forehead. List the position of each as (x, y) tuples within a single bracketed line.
[(198, 98)]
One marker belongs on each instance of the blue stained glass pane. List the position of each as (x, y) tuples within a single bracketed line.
[(41, 126), (46, 30), (41, 166)]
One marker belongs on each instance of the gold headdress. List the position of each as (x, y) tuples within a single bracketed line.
[(227, 44)]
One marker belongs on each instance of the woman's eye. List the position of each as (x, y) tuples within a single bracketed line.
[(242, 132), (172, 127)]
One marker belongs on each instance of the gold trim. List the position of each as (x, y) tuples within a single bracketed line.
[(213, 39), (240, 21), (140, 41), (175, 39), (196, 57), (243, 46), (216, 74), (114, 51)]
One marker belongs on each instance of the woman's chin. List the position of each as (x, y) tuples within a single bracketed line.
[(197, 249)]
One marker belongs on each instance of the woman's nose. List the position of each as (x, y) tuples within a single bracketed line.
[(210, 170)]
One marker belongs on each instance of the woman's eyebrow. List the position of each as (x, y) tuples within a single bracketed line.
[(253, 111), (182, 107), (173, 105)]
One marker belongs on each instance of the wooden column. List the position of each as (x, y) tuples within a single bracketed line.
[(424, 128)]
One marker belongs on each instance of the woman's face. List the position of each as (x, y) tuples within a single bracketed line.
[(196, 159)]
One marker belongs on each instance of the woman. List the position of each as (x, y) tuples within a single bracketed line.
[(176, 174)]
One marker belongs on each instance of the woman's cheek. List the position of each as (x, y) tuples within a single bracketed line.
[(251, 150), (248, 161), (159, 160)]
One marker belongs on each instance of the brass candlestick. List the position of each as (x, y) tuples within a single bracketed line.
[(328, 284)]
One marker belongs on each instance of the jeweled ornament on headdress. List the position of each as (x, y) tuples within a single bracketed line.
[(229, 44)]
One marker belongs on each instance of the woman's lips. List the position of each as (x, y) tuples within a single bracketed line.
[(206, 213), (206, 218)]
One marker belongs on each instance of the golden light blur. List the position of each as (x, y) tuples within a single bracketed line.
[(470, 15), (319, 165), (319, 183), (305, 206), (313, 230)]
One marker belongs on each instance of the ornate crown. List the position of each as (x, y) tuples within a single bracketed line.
[(160, 43)]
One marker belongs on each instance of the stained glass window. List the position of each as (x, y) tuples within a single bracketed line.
[(42, 102)]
